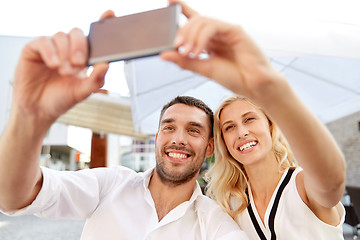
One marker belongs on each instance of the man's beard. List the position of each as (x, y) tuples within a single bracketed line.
[(175, 179)]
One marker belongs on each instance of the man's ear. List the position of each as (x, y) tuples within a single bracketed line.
[(210, 148), (156, 135)]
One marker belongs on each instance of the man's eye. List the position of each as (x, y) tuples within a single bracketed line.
[(194, 131), (168, 128)]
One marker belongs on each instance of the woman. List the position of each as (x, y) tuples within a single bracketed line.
[(252, 156), (252, 162)]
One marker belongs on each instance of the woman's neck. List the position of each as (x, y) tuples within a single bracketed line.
[(263, 178)]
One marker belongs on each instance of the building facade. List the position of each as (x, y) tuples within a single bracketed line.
[(347, 134)]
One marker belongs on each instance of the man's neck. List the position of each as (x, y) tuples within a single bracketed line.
[(168, 196)]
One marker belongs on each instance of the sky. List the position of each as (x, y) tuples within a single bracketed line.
[(43, 17)]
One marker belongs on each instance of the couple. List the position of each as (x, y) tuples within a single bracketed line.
[(254, 168)]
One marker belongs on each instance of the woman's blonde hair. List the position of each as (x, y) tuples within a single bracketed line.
[(227, 177)]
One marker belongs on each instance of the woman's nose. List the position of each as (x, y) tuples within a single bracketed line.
[(243, 132)]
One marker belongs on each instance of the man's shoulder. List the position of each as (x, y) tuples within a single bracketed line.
[(206, 202), (116, 174), (217, 219), (112, 170), (209, 207)]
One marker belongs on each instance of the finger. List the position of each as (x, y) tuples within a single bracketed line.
[(42, 49), (204, 37), (61, 42), (189, 34), (186, 10), (169, 55), (107, 14), (202, 67), (97, 77), (93, 83), (78, 47)]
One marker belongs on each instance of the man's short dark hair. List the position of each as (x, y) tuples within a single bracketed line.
[(192, 102)]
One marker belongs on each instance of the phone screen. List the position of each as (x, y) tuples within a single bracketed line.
[(132, 36)]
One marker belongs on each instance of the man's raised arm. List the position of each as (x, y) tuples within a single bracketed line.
[(50, 79)]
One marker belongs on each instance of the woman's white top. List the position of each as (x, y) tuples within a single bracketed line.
[(293, 220)]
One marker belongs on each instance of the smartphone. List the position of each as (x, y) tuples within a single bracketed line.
[(133, 36)]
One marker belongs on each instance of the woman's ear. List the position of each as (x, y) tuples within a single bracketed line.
[(270, 125)]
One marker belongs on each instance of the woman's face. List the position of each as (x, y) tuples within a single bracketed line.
[(246, 132)]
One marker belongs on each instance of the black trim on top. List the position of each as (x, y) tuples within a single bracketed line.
[(255, 222), (276, 203), (273, 209)]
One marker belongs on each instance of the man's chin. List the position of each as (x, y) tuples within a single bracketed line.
[(174, 177)]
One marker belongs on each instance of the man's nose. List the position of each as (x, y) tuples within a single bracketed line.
[(179, 137)]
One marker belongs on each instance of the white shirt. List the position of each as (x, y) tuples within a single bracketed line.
[(118, 205), (293, 220)]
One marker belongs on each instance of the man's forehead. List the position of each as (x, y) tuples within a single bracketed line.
[(183, 111)]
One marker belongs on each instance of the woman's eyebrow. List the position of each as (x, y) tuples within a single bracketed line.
[(247, 113), (244, 115)]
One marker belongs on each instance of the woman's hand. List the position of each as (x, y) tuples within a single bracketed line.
[(234, 60)]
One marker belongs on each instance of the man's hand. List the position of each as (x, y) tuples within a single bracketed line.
[(50, 78), (51, 75)]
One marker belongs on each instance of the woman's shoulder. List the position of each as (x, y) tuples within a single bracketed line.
[(296, 196)]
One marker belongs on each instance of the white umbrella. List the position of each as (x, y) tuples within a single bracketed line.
[(329, 86), (315, 44), (153, 82)]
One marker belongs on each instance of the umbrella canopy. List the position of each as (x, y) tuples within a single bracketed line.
[(315, 44), (329, 86)]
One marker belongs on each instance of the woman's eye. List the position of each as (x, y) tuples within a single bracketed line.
[(227, 128), (249, 119)]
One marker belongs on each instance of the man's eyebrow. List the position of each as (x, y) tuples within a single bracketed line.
[(167, 120), (191, 123), (196, 124)]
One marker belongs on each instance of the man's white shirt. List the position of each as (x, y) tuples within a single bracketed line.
[(118, 205)]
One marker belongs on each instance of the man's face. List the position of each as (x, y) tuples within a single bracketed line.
[(182, 143)]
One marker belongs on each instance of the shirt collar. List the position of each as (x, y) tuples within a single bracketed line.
[(196, 191), (147, 175)]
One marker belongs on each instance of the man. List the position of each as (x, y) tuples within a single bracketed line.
[(162, 203)]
